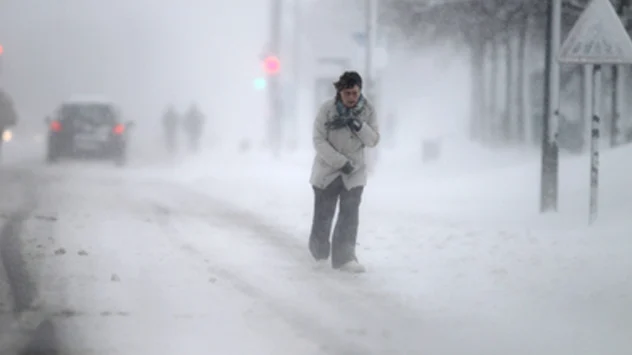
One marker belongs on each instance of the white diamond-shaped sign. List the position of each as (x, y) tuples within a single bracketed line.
[(598, 37)]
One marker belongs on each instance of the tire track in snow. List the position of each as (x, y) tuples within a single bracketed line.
[(386, 325), (329, 341)]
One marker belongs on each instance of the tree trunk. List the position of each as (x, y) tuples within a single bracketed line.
[(492, 126), (508, 112), (521, 116), (477, 87)]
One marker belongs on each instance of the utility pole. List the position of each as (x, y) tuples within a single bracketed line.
[(550, 153), (296, 73), (618, 87), (371, 38), (275, 107)]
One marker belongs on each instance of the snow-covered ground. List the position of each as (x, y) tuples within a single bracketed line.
[(120, 278), (457, 244), (209, 256)]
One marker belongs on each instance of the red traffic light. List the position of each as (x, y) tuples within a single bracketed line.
[(1, 50), (271, 65)]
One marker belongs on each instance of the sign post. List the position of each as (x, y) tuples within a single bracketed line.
[(597, 38)]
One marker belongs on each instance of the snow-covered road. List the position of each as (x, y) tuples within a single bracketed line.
[(119, 272), (140, 265), (135, 261)]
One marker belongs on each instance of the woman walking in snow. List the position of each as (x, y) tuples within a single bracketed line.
[(344, 126)]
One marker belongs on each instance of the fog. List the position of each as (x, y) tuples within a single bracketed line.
[(204, 252), (145, 55), (141, 54)]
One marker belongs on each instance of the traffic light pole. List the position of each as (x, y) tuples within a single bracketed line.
[(371, 31), (296, 75), (275, 109)]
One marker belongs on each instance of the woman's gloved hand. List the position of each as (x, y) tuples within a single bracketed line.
[(347, 168), (355, 124)]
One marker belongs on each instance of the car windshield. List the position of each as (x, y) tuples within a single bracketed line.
[(91, 113)]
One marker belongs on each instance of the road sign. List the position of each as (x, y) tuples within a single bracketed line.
[(598, 37)]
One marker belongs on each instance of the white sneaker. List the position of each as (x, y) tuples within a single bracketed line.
[(321, 264), (353, 267)]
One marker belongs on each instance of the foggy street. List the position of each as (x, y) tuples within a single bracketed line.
[(138, 265), (141, 262), (127, 263), (169, 171)]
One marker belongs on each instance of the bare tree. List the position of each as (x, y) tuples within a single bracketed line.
[(509, 14), (499, 35)]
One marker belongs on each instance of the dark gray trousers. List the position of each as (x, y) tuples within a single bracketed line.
[(342, 246)]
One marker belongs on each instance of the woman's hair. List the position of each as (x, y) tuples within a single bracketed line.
[(348, 80)]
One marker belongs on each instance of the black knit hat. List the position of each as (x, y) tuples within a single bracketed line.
[(348, 80)]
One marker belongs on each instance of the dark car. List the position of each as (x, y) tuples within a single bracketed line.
[(87, 129)]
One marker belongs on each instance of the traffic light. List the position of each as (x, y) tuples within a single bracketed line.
[(260, 83), (1, 50), (271, 65)]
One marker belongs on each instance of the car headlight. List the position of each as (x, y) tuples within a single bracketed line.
[(7, 135)]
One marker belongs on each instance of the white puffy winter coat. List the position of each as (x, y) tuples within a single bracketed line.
[(335, 147)]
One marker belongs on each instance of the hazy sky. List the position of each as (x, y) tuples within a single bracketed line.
[(145, 54), (141, 53)]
